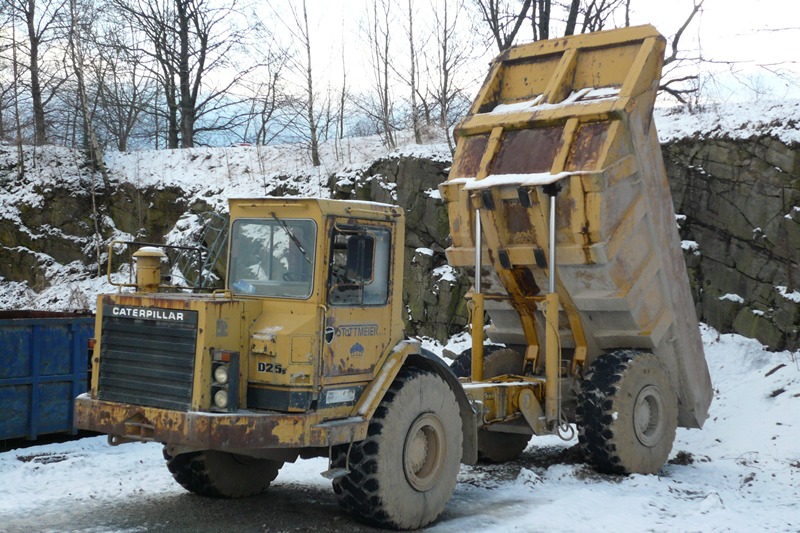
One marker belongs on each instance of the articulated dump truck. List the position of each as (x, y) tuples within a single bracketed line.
[(559, 208)]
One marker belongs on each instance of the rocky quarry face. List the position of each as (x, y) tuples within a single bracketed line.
[(738, 203), (741, 203)]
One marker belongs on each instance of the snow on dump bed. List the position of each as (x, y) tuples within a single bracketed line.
[(518, 180), (586, 95), (778, 119), (740, 473)]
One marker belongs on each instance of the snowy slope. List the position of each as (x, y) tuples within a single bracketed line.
[(733, 120), (208, 174), (740, 473), (215, 174)]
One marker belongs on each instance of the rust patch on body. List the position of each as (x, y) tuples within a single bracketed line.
[(589, 139), (468, 160), (212, 431), (527, 151)]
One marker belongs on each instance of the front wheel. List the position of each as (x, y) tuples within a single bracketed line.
[(221, 474), (404, 473), (627, 413)]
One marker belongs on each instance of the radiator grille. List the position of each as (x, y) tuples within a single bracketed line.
[(146, 361)]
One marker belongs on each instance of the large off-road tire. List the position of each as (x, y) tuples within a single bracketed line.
[(221, 474), (462, 364), (404, 473), (627, 413), (495, 447)]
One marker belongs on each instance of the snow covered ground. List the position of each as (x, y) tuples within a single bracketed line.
[(740, 473)]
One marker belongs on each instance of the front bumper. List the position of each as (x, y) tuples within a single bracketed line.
[(214, 431)]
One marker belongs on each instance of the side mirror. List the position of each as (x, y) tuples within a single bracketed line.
[(360, 255)]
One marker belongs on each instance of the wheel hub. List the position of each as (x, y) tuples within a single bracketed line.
[(648, 416), (424, 452)]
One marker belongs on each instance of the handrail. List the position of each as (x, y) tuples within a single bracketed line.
[(115, 242)]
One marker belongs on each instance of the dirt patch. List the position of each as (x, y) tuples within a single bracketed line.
[(682, 458), (548, 456), (539, 458), (43, 458)]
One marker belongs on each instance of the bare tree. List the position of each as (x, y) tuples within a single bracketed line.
[(682, 85), (411, 76), (125, 88), (378, 103), (502, 18), (572, 18), (15, 63), (265, 104), (301, 66), (6, 94), (6, 82), (43, 23), (342, 97), (597, 13), (77, 57), (540, 17), (267, 94), (305, 41), (453, 53), (188, 41), (503, 21)]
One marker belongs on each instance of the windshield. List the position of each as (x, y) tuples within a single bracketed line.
[(272, 257)]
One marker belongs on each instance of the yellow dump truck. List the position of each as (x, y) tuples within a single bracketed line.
[(558, 206), (559, 182)]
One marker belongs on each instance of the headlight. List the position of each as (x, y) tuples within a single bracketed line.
[(221, 374), (221, 399), (224, 382)]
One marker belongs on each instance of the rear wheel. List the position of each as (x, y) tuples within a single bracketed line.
[(221, 474), (403, 474), (495, 447), (627, 413)]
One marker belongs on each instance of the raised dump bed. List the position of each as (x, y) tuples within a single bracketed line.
[(43, 367), (573, 118)]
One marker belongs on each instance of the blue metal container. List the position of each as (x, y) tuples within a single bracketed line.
[(44, 360)]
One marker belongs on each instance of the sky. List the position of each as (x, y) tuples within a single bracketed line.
[(744, 42)]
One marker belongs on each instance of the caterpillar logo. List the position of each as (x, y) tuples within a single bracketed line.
[(148, 313)]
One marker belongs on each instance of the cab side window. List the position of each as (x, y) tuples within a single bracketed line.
[(359, 267)]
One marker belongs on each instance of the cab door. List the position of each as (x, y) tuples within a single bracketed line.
[(358, 307)]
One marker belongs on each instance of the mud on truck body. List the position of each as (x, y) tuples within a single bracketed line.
[(559, 207)]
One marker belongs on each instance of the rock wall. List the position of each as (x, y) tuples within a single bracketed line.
[(739, 215), (738, 200), (47, 215), (741, 202)]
